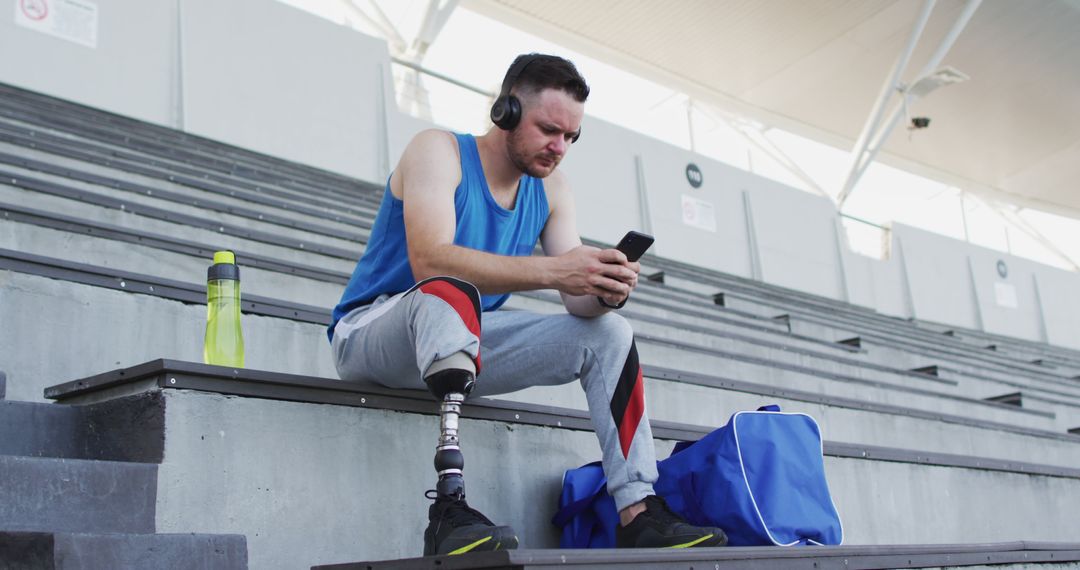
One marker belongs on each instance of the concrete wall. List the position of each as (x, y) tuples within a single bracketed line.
[(263, 75), (131, 70), (266, 76)]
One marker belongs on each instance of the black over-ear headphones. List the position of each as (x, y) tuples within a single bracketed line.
[(506, 111)]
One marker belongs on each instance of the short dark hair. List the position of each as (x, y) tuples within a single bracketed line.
[(549, 72)]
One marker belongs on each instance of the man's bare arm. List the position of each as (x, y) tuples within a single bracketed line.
[(612, 276), (426, 179)]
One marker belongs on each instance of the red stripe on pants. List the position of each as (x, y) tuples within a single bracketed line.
[(461, 303), (635, 408)]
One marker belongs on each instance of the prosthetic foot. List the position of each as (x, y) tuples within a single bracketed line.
[(453, 526)]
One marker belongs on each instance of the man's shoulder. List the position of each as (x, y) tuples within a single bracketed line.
[(435, 140)]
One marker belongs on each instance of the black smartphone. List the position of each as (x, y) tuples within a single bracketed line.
[(634, 244)]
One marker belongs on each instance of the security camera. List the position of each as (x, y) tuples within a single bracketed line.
[(920, 122)]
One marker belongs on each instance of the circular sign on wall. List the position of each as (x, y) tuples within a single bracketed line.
[(1002, 269), (694, 176)]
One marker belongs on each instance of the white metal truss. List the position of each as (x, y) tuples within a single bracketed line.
[(876, 130)]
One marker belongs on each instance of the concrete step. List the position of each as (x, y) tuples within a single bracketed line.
[(275, 355), (163, 222), (1002, 556), (83, 551), (313, 233), (127, 431), (75, 495), (63, 155), (158, 140), (125, 256), (21, 140), (323, 450)]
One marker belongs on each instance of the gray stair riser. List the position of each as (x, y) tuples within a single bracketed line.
[(331, 467), (275, 344), (82, 551), (181, 189), (286, 200), (181, 231), (116, 254), (779, 378), (154, 165), (69, 495), (128, 430), (40, 430), (810, 321), (991, 392), (106, 329), (169, 265), (168, 154), (770, 300), (843, 365), (141, 328), (707, 406), (909, 356), (326, 237), (1029, 382)]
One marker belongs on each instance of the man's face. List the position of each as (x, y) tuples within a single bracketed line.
[(541, 140)]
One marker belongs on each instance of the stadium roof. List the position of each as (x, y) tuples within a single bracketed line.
[(816, 68)]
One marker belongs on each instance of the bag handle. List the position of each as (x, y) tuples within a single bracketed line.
[(769, 408)]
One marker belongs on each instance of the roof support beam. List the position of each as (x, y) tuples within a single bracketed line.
[(864, 156), (890, 86)]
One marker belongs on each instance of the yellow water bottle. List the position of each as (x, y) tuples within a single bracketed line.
[(224, 344)]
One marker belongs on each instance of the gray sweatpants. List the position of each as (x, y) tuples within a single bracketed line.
[(393, 340)]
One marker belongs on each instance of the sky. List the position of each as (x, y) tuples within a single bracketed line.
[(885, 194)]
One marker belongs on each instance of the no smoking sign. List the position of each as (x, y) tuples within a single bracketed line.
[(36, 10)]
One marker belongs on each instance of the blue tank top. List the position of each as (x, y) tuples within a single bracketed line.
[(482, 224)]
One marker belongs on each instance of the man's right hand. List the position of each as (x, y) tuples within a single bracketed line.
[(605, 273)]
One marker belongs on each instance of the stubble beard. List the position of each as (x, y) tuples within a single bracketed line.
[(522, 161)]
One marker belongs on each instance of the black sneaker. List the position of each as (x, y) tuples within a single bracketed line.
[(659, 527), (456, 528)]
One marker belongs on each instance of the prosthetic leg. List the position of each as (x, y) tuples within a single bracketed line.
[(450, 387), (453, 526)]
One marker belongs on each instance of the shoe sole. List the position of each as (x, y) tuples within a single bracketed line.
[(703, 542), (486, 544)]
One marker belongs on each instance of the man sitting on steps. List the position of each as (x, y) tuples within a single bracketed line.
[(459, 220)]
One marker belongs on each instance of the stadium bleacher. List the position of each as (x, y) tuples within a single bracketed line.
[(940, 451)]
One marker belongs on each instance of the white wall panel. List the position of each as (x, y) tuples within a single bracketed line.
[(796, 236), (727, 249), (603, 180), (938, 273), (266, 76), (1060, 295), (1007, 304), (132, 71)]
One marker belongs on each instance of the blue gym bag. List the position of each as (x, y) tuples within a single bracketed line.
[(761, 478)]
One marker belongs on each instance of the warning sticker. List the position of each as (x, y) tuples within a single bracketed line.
[(698, 213), (72, 20)]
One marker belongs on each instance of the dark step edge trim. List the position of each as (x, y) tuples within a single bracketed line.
[(164, 374), (758, 557)]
